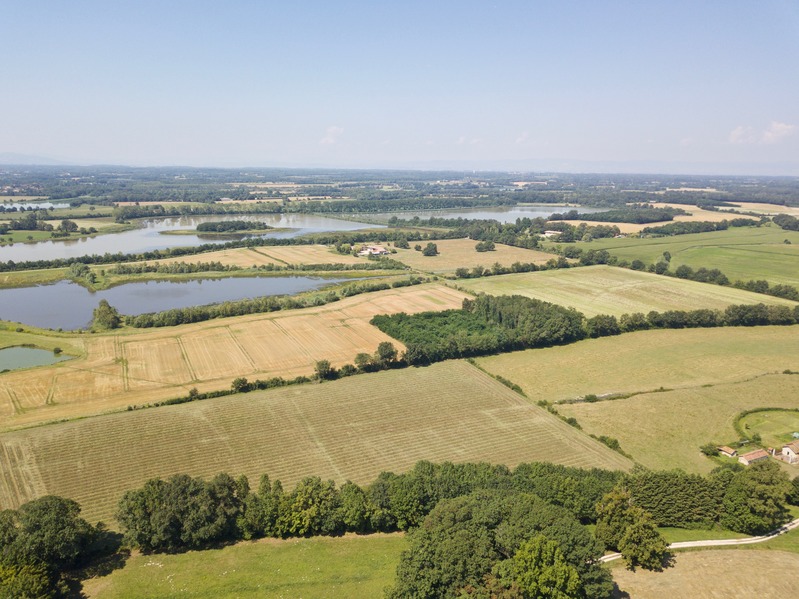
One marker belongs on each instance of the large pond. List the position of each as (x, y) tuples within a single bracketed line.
[(66, 305), (149, 236), (12, 358), (504, 214)]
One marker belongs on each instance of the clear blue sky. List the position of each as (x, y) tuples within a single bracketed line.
[(683, 85)]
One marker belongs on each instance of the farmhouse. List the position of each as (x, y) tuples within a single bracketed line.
[(790, 452), (758, 455), (373, 250), (727, 451)]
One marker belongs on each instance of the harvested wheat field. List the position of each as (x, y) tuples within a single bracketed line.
[(716, 574), (353, 429), (141, 366), (456, 253), (603, 289), (278, 255)]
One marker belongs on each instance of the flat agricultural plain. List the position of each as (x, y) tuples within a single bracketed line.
[(259, 256), (708, 376), (715, 574), (603, 289), (352, 429), (139, 366), (315, 568), (664, 430), (648, 360), (745, 253), (456, 253)]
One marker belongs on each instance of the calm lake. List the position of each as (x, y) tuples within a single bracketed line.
[(69, 306), (148, 236), (45, 204), (504, 214), (12, 358)]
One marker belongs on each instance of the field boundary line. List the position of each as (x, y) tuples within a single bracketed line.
[(238, 344), (719, 542), (271, 257), (185, 357)]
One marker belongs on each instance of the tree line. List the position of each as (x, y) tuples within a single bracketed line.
[(687, 228), (492, 324), (272, 303), (637, 214)]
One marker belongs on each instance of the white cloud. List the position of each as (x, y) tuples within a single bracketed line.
[(687, 141), (523, 137), (774, 133), (777, 131), (332, 134), (461, 140), (742, 135)]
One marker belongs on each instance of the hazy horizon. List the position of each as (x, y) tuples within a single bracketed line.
[(679, 88)]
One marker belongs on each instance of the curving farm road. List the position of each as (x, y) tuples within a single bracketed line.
[(720, 542)]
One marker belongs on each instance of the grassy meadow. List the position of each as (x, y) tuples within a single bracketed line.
[(746, 253), (353, 429), (316, 568), (140, 366), (664, 430), (456, 253), (647, 360), (604, 289), (774, 427)]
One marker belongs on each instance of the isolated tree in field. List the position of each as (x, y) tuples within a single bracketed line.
[(105, 317), (540, 570), (431, 249)]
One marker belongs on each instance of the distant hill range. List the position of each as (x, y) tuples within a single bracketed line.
[(28, 159)]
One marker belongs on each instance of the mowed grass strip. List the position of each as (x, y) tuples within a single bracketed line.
[(456, 253), (604, 289), (137, 366), (716, 573), (647, 360), (775, 427), (665, 430), (316, 568), (353, 429), (746, 253)]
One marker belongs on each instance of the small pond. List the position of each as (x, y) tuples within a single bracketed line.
[(33, 205), (148, 236), (67, 305), (12, 358)]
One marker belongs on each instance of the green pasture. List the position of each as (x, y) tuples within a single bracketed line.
[(604, 289), (315, 568), (664, 430), (775, 427), (745, 253)]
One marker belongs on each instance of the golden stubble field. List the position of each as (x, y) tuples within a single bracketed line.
[(610, 290), (141, 366), (456, 253), (353, 429), (258, 256), (716, 574)]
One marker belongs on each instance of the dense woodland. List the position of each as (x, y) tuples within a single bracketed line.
[(474, 528), (492, 324)]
